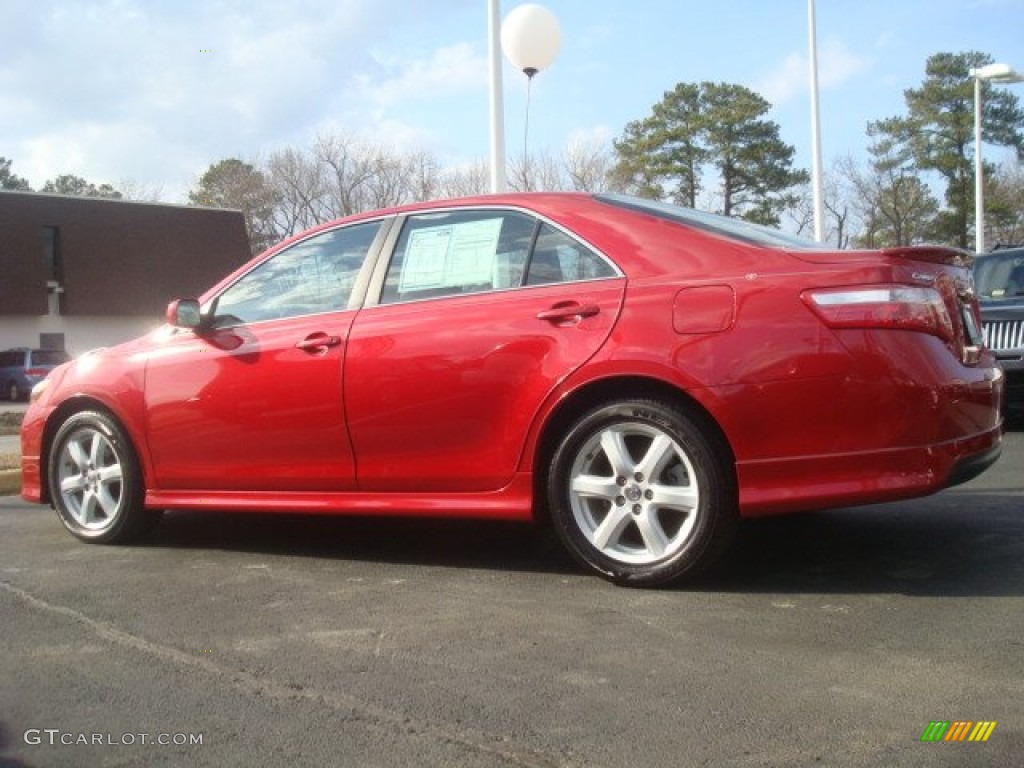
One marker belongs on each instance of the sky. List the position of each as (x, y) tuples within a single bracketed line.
[(148, 94)]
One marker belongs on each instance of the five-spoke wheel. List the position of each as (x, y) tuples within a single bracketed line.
[(640, 493), (94, 480)]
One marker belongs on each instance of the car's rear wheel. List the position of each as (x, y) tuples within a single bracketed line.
[(642, 493), (94, 480)]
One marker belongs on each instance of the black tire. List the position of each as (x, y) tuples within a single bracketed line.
[(643, 493), (95, 483)]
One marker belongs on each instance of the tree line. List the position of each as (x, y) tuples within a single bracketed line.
[(705, 145)]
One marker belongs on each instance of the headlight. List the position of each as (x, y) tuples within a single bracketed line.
[(38, 390)]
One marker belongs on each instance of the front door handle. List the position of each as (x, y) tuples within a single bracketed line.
[(318, 343), (568, 310)]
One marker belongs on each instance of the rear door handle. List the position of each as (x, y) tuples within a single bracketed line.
[(318, 342), (568, 310)]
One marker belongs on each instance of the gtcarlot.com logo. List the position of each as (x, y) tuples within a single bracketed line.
[(55, 737), (958, 730)]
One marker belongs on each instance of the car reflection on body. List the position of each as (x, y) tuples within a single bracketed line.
[(999, 281), (637, 375)]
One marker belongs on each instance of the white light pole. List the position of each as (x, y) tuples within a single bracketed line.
[(996, 73), (497, 106), (816, 182)]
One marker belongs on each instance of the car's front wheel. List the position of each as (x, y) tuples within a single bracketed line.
[(642, 493), (94, 480)]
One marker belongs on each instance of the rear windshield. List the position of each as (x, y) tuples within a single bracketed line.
[(735, 229), (49, 357), (999, 275)]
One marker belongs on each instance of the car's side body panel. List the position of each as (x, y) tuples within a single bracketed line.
[(441, 407)]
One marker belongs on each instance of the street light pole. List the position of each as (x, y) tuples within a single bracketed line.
[(979, 184), (816, 181), (497, 105), (996, 73)]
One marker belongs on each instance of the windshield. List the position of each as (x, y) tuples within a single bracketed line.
[(999, 276)]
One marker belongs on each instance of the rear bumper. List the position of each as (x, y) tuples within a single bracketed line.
[(970, 467), (808, 483)]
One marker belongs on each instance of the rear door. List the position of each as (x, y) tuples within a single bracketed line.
[(481, 313)]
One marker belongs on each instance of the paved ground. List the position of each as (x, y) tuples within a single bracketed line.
[(828, 640)]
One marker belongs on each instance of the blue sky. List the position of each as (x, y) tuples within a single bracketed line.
[(152, 92)]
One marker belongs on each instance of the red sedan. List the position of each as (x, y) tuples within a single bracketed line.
[(636, 374)]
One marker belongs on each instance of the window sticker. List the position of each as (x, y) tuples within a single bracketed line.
[(451, 255)]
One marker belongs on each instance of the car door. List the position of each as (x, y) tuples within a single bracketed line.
[(481, 313), (252, 400)]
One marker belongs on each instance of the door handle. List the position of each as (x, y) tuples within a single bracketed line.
[(568, 310), (318, 342)]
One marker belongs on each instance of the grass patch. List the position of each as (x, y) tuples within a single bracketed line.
[(10, 483), (10, 423)]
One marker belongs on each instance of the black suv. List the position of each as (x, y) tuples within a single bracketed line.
[(999, 282)]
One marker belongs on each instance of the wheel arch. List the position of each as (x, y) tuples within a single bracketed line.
[(594, 393)]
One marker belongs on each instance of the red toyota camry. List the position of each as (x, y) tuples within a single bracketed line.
[(635, 374)]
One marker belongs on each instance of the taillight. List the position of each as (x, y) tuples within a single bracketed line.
[(894, 307), (36, 371)]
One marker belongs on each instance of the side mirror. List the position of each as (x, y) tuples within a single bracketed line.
[(184, 313)]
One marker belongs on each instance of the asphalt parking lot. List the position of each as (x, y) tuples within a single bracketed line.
[(828, 640)]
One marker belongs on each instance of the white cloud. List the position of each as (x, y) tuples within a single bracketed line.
[(594, 136), (114, 88), (886, 40), (790, 79), (449, 69)]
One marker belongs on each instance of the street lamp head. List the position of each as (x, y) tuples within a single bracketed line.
[(531, 37), (997, 73)]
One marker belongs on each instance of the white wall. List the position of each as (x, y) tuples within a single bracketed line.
[(80, 333)]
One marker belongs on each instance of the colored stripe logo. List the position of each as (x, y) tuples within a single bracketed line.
[(958, 730)]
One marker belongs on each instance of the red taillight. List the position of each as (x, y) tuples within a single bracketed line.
[(36, 371), (895, 307)]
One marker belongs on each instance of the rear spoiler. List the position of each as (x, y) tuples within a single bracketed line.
[(934, 254)]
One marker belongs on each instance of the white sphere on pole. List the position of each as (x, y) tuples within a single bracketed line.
[(531, 37)]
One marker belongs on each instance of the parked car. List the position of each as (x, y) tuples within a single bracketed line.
[(999, 281), (636, 374), (22, 368)]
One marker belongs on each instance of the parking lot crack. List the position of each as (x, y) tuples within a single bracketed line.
[(494, 747)]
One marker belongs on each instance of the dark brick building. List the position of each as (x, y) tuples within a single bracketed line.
[(81, 272)]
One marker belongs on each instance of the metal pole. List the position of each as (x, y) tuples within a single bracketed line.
[(816, 182), (497, 105), (979, 191)]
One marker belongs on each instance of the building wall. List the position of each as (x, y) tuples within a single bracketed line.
[(102, 271), (80, 335)]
